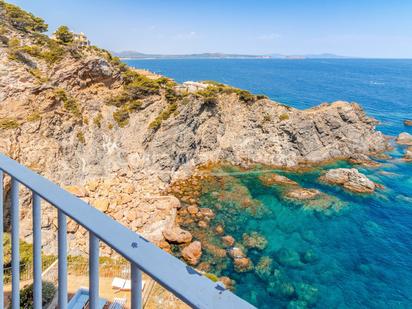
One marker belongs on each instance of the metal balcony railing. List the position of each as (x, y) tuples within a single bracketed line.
[(187, 284)]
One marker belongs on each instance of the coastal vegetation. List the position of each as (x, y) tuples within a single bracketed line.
[(21, 19), (64, 35), (69, 103), (8, 123), (211, 93), (27, 299), (26, 256)]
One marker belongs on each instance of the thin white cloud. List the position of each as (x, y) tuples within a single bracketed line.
[(185, 36), (268, 36)]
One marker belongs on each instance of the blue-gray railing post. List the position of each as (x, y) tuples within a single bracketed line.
[(136, 293), (93, 271), (37, 265), (15, 245), (62, 256), (1, 239)]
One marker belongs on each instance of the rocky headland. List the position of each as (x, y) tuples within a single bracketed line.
[(118, 137)]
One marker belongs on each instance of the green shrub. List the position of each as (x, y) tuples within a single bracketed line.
[(98, 120), (26, 295), (261, 97), (33, 117), (244, 95), (267, 118), (54, 52), (121, 116), (3, 30), (69, 103), (38, 75), (23, 20), (283, 117), (80, 137), (8, 123), (210, 94), (164, 115), (64, 35), (14, 43)]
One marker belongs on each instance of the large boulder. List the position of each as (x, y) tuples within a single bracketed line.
[(349, 178), (192, 253), (404, 139), (177, 235)]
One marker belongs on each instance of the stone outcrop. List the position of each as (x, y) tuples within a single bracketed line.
[(404, 139), (177, 235), (192, 253), (302, 194), (364, 160), (350, 179), (276, 179)]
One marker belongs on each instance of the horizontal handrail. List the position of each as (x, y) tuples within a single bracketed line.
[(182, 280)]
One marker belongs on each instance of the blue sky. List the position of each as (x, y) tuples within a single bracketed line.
[(372, 28)]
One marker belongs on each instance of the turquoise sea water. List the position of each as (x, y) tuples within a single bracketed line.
[(356, 254)]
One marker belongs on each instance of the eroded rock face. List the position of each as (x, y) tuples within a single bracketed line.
[(177, 235), (192, 253), (349, 178), (404, 139)]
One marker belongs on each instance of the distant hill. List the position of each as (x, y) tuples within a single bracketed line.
[(138, 55)]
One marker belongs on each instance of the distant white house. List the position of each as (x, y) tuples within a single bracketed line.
[(80, 39), (191, 87)]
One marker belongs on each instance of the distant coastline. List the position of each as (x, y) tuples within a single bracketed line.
[(133, 55)]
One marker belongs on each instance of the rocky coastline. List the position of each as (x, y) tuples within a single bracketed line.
[(118, 137)]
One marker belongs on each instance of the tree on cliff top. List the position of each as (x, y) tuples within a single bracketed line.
[(21, 19), (64, 35)]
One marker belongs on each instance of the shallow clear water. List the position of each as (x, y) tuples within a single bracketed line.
[(356, 254)]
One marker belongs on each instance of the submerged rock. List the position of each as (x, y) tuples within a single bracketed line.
[(276, 179), (307, 293), (297, 304), (288, 257), (243, 265), (364, 160), (408, 154), (192, 253), (281, 289), (254, 240), (228, 241), (227, 282), (407, 122), (264, 267), (302, 194), (404, 139), (349, 178), (177, 235)]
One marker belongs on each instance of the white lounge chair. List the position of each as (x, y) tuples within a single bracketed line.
[(123, 284)]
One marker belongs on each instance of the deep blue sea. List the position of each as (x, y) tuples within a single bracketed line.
[(356, 253)]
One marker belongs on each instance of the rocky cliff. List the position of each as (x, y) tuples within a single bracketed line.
[(117, 137)]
